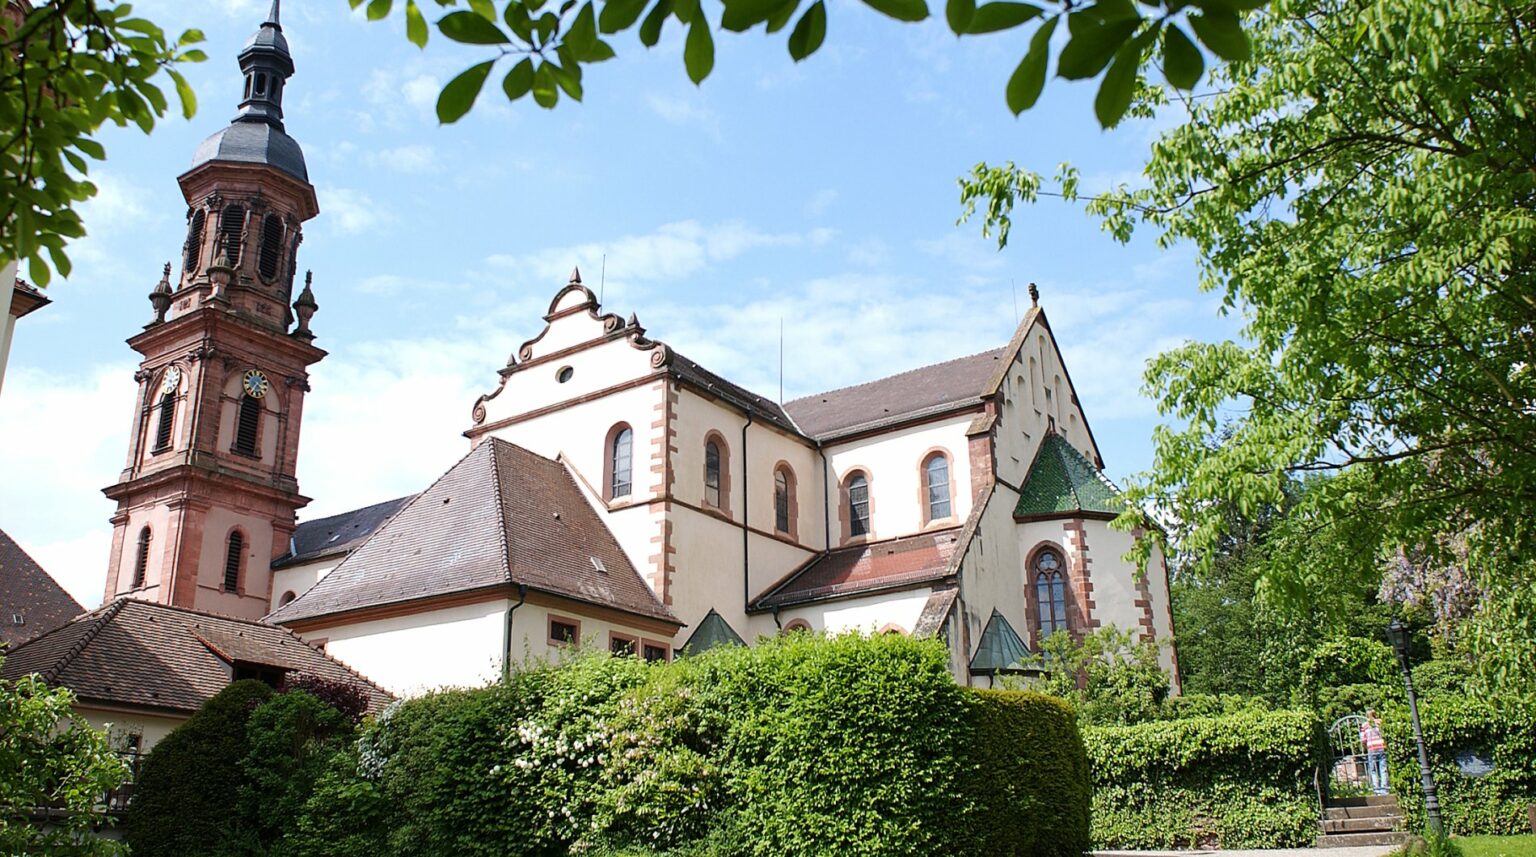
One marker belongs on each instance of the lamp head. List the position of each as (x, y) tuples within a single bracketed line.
[(1397, 635)]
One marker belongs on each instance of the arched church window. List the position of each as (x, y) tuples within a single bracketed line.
[(712, 474), (858, 505), (232, 558), (141, 559), (1050, 594), (271, 246), (231, 224), (783, 488), (936, 485), (620, 459), (194, 253), (166, 421), (248, 426)]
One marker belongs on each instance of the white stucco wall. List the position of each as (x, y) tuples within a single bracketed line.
[(894, 463), (299, 578), (868, 615), (150, 728), (1025, 410), (409, 655)]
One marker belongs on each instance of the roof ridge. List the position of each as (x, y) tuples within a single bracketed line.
[(313, 521), (207, 613), (1066, 467), (501, 511), (897, 374), (103, 615)]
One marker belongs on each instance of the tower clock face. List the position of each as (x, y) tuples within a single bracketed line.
[(256, 384), (171, 381)]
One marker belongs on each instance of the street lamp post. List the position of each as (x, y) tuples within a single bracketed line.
[(1398, 633)]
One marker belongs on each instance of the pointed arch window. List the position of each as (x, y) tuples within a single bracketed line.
[(166, 421), (271, 246), (231, 224), (858, 505), (194, 249), (712, 474), (783, 496), (1050, 594), (936, 486), (141, 559), (620, 461), (248, 426), (232, 558)]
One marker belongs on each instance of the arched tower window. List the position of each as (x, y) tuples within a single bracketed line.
[(620, 462), (936, 486), (783, 495), (1050, 594), (712, 474), (231, 224), (249, 425), (232, 558), (194, 249), (141, 559), (858, 505), (166, 422), (271, 246)]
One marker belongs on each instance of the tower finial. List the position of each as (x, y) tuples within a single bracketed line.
[(1034, 295), (267, 65), (272, 14), (160, 296), (575, 276)]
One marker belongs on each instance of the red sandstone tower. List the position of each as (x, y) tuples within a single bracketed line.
[(209, 496)]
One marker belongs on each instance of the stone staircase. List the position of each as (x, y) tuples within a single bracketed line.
[(1353, 821)]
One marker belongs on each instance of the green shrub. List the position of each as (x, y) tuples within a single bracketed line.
[(1243, 780), (799, 746), (291, 737), (188, 792), (1028, 780), (1502, 731)]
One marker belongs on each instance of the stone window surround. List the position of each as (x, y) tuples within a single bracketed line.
[(791, 486), (1076, 623), (794, 625), (724, 507), (608, 456), (572, 621), (845, 509), (922, 488)]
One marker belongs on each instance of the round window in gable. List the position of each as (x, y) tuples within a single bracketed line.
[(564, 374)]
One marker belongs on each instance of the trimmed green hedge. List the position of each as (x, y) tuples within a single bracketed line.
[(798, 746), (1030, 785), (1504, 733), (1243, 780)]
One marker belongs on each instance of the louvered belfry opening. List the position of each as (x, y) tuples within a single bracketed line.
[(271, 246), (194, 250), (231, 224), (167, 421), (232, 562), (248, 426), (141, 561)]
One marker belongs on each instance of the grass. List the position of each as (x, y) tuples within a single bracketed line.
[(1523, 845)]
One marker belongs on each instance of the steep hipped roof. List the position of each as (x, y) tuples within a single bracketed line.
[(1000, 649), (891, 564), (137, 653), (31, 602), (1062, 482), (713, 631), (501, 516), (920, 392), (337, 534)]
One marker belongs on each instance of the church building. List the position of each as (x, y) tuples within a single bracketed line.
[(614, 493)]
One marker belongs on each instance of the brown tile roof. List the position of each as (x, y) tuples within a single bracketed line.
[(31, 602), (338, 534), (935, 612), (138, 653), (918, 393), (500, 516), (26, 298), (890, 564), (762, 408)]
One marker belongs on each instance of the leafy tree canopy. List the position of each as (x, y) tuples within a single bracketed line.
[(67, 68), (50, 759), (546, 46), (1360, 190)]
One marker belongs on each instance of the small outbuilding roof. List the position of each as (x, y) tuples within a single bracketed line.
[(713, 631), (1000, 649), (1063, 483), (872, 567)]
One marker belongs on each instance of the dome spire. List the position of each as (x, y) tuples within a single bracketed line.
[(267, 65)]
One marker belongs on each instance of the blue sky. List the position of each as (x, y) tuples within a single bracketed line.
[(822, 193)]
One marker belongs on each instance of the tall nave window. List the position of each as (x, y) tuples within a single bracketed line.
[(1050, 594)]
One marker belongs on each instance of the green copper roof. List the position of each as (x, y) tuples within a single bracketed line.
[(713, 631), (1000, 649), (1062, 482)]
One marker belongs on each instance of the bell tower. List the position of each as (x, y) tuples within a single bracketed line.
[(209, 496)]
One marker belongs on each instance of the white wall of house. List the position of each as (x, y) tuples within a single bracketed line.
[(297, 579), (894, 464), (121, 723), (408, 655), (1026, 409)]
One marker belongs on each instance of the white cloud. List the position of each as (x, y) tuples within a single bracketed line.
[(685, 111), (417, 158), (63, 520), (967, 252), (869, 253), (818, 204), (350, 211)]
